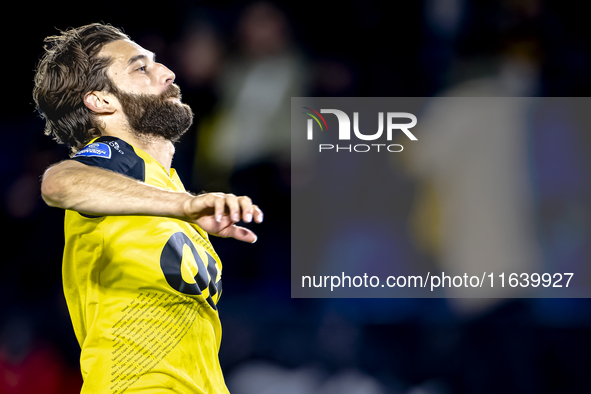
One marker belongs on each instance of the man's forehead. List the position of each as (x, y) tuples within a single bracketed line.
[(121, 51)]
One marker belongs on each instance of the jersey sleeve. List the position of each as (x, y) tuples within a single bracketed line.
[(113, 154)]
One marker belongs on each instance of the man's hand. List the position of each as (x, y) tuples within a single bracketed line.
[(217, 214)]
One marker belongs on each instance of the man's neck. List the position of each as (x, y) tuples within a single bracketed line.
[(161, 149)]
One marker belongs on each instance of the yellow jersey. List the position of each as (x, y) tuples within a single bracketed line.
[(142, 290)]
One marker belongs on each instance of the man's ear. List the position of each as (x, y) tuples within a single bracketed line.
[(100, 103)]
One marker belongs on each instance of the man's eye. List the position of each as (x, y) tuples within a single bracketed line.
[(141, 69)]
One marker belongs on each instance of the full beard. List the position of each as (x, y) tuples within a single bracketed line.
[(155, 115)]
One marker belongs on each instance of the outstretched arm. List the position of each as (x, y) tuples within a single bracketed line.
[(95, 191)]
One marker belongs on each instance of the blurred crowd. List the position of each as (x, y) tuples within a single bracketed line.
[(238, 65)]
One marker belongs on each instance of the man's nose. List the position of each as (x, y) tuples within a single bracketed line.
[(168, 76)]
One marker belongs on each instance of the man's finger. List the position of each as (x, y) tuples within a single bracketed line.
[(258, 214), (246, 207), (220, 207), (233, 207), (239, 233)]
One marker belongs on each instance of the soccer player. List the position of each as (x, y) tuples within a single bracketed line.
[(140, 276)]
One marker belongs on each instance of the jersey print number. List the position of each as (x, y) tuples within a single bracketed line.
[(185, 270)]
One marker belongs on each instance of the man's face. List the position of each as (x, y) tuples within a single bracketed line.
[(148, 97)]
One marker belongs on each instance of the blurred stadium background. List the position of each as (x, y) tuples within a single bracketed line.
[(238, 64)]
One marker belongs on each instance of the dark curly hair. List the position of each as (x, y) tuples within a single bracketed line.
[(70, 68)]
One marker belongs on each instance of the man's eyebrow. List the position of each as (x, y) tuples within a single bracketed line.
[(140, 57)]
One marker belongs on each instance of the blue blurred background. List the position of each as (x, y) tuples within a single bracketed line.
[(238, 64)]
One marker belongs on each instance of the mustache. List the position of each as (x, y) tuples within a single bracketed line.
[(172, 91)]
